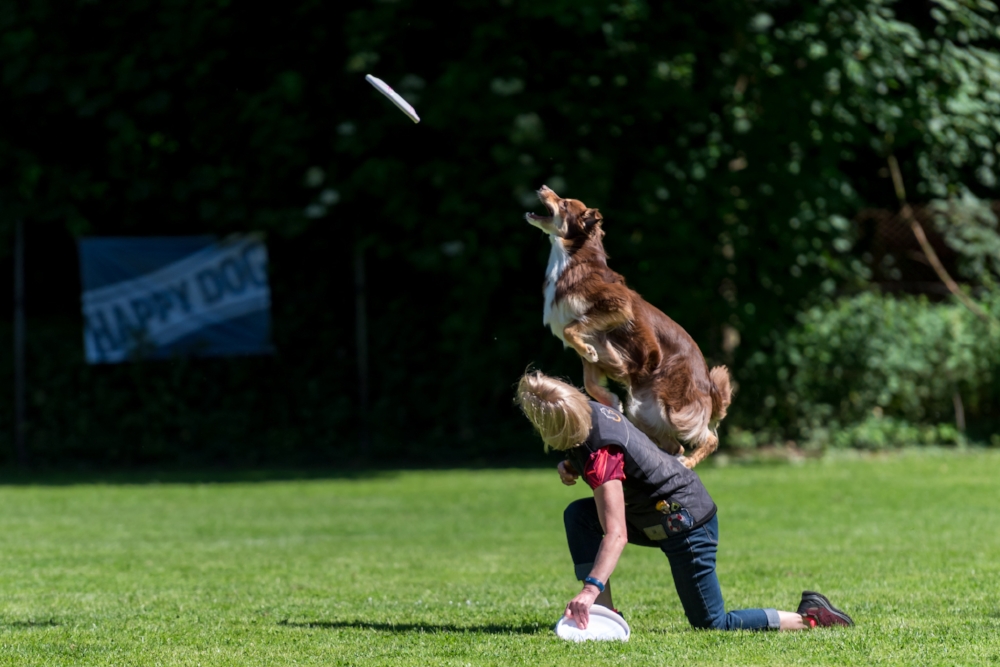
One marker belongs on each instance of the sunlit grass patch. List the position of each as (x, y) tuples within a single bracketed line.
[(470, 567)]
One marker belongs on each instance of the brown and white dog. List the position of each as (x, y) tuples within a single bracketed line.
[(672, 395)]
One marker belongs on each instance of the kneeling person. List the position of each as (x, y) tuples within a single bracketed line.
[(644, 496)]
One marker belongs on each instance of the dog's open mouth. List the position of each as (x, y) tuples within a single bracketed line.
[(538, 218), (543, 194)]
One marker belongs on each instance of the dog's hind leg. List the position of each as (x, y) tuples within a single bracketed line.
[(692, 423), (708, 444), (649, 415), (596, 384)]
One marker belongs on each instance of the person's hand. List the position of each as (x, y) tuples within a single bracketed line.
[(578, 608), (567, 475)]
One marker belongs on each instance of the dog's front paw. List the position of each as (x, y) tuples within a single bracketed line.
[(686, 462), (590, 354)]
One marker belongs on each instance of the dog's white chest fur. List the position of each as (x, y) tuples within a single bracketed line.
[(556, 315)]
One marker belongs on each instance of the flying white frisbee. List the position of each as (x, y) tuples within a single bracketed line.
[(384, 88), (604, 625)]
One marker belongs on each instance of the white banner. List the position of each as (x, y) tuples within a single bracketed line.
[(141, 315)]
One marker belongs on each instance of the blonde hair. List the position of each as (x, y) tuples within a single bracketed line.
[(558, 411)]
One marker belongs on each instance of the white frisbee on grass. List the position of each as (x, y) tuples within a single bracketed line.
[(604, 625), (384, 88)]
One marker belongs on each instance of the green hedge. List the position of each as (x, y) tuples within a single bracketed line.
[(875, 370)]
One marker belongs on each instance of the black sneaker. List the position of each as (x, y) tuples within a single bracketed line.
[(817, 611)]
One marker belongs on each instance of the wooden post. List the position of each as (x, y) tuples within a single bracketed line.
[(361, 346), (20, 426), (956, 399), (932, 258)]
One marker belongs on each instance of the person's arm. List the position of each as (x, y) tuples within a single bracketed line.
[(611, 510), (567, 473)]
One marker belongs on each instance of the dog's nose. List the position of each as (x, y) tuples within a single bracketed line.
[(544, 188)]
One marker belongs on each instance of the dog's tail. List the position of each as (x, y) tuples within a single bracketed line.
[(722, 392)]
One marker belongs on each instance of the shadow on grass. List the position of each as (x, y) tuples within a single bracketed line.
[(142, 477), (25, 625), (403, 628), (349, 471)]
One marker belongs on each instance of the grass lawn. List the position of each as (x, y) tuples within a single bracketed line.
[(470, 568)]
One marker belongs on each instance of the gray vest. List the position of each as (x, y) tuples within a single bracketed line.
[(651, 475)]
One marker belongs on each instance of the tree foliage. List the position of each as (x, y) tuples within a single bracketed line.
[(728, 143)]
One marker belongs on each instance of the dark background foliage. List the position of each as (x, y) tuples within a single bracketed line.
[(727, 143)]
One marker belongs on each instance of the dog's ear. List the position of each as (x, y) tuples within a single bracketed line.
[(592, 217)]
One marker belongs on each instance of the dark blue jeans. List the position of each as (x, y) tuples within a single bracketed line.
[(692, 563)]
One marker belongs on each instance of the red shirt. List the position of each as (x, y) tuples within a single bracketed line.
[(604, 465)]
